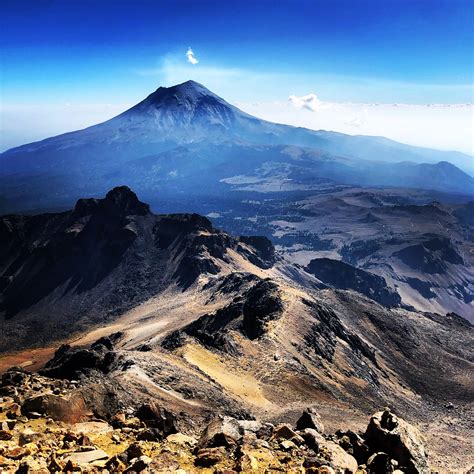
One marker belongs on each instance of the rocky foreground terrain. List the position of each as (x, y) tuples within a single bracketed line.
[(159, 325), (53, 425)]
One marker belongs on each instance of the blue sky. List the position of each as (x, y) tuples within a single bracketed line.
[(116, 52)]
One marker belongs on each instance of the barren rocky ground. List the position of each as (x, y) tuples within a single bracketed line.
[(50, 425), (151, 328)]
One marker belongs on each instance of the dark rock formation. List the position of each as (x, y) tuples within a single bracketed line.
[(423, 287), (265, 258), (72, 362), (378, 463), (257, 303), (224, 431), (323, 338), (61, 273), (310, 419), (359, 250), (341, 275), (262, 304), (161, 420), (389, 434), (354, 444), (430, 256)]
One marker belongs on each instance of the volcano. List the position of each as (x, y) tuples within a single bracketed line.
[(186, 139)]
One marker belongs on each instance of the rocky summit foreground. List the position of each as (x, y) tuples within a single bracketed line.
[(162, 326), (41, 432)]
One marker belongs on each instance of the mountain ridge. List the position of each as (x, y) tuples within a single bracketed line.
[(71, 269)]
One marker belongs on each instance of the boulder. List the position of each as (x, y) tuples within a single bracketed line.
[(14, 376), (96, 427), (287, 445), (115, 464), (249, 426), (310, 419), (28, 436), (209, 456), (118, 419), (87, 457), (312, 462), (284, 431), (312, 439), (266, 431), (5, 435), (136, 450), (55, 465), (339, 459), (150, 434), (154, 416), (223, 431), (401, 441), (4, 426), (354, 445), (379, 462), (139, 465), (72, 466), (169, 461), (69, 409), (13, 411), (182, 439)]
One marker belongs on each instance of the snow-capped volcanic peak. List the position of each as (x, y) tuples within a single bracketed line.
[(189, 91), (184, 104)]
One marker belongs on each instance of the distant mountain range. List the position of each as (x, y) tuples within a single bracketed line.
[(187, 139)]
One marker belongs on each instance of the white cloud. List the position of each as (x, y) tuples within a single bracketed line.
[(310, 102), (191, 58)]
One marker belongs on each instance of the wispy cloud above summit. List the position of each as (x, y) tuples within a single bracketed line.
[(191, 58)]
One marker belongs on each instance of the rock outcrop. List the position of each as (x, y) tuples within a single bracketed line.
[(66, 272), (70, 363), (337, 274), (257, 304), (430, 256), (398, 439)]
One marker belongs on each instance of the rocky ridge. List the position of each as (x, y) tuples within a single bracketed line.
[(62, 273)]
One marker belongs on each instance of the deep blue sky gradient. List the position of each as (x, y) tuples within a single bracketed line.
[(90, 50)]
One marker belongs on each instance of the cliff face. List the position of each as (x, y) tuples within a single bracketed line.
[(62, 273), (341, 275)]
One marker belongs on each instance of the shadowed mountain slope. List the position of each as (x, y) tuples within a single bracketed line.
[(63, 272), (341, 275)]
